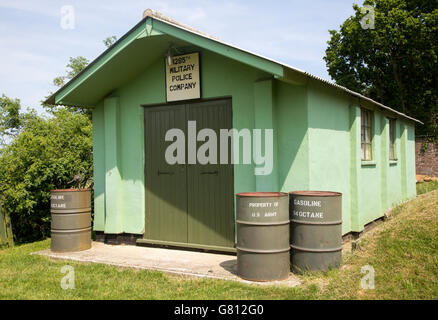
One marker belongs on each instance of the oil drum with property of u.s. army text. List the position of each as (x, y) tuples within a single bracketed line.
[(71, 220), (263, 236), (315, 230)]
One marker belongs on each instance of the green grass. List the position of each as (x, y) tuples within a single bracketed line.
[(425, 187), (403, 252)]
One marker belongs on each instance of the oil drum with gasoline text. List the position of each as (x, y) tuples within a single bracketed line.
[(71, 220), (263, 236), (316, 230)]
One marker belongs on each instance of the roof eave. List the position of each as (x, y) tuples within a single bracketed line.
[(307, 75), (52, 99), (163, 24)]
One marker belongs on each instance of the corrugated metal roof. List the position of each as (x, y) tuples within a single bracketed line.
[(161, 17), (158, 16)]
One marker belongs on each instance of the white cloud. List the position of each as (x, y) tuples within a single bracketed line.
[(37, 7)]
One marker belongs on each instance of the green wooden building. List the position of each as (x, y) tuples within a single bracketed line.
[(325, 137)]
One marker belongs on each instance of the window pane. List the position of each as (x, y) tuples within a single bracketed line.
[(391, 139), (366, 135)]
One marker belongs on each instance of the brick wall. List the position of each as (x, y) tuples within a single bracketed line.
[(426, 162)]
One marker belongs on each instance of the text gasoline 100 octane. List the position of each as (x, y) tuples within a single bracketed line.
[(223, 309)]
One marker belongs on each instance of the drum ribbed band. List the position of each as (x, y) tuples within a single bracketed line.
[(70, 230), (316, 250), (81, 210), (278, 223), (324, 223), (262, 251)]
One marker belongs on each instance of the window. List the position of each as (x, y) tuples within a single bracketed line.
[(392, 140), (366, 133)]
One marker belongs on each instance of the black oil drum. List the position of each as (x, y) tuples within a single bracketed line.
[(263, 236), (316, 230), (71, 220)]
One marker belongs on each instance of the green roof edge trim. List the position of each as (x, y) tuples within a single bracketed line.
[(163, 25), (140, 30), (219, 48), (100, 61), (52, 99)]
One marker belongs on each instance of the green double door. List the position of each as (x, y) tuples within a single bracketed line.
[(188, 204)]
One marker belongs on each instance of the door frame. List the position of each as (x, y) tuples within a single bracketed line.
[(154, 242), (190, 101)]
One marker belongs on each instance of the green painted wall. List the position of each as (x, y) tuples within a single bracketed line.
[(264, 119), (329, 142), (291, 113), (368, 188), (221, 77), (316, 143), (99, 167), (113, 180), (410, 160)]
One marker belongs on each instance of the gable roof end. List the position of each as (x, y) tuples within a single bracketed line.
[(186, 33)]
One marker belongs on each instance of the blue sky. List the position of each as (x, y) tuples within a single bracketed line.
[(34, 48)]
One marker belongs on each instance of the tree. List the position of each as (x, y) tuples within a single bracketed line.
[(45, 155), (108, 42), (74, 67), (396, 62), (9, 118)]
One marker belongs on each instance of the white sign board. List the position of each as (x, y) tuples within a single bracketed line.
[(182, 78)]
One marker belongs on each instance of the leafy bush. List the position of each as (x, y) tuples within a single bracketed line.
[(395, 62), (424, 187), (45, 155)]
